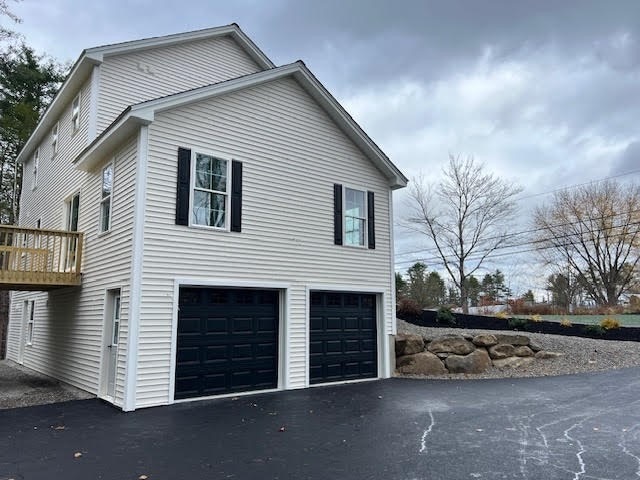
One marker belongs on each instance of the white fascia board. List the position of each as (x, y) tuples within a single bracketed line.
[(69, 89), (227, 30), (144, 113)]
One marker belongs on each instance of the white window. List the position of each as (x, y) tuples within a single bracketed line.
[(36, 165), (54, 140), (355, 217), (75, 113), (107, 195), (210, 191), (31, 305)]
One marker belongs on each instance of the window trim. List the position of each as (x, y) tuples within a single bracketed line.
[(55, 140), (227, 211), (103, 200), (75, 114), (31, 311), (364, 191)]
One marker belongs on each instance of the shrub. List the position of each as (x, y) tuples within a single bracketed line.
[(408, 307), (610, 323), (565, 323), (446, 316), (594, 329), (518, 323), (536, 318), (502, 315)]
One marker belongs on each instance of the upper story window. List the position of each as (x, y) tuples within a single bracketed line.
[(210, 191), (36, 165), (107, 195), (355, 217), (54, 140), (75, 113)]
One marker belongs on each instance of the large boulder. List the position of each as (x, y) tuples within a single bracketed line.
[(423, 363), (513, 339), (524, 351), (477, 361), (512, 362), (455, 344), (502, 350), (534, 346), (485, 340), (408, 344)]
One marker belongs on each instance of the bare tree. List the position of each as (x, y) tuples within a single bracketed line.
[(5, 11), (595, 229), (465, 216)]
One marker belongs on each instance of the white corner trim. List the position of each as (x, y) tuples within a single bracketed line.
[(133, 319), (392, 257), (92, 130)]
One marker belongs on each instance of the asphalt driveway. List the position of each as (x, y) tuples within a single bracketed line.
[(570, 427)]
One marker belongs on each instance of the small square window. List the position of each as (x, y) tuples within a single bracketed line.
[(75, 113)]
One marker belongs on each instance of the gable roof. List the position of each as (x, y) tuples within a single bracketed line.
[(95, 56), (144, 113)]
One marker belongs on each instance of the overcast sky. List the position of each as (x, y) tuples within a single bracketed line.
[(545, 93)]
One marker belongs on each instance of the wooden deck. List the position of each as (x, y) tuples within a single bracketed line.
[(38, 259)]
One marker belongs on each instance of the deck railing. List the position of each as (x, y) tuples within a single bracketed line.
[(35, 257)]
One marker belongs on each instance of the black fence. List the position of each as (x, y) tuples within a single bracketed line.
[(429, 318)]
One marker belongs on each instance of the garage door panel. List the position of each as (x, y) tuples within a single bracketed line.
[(227, 341), (342, 337)]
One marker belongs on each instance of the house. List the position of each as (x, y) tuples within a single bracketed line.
[(195, 222)]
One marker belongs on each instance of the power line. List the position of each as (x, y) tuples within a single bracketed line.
[(533, 230), (481, 254)]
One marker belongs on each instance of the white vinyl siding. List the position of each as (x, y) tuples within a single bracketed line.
[(68, 338), (132, 78), (292, 155)]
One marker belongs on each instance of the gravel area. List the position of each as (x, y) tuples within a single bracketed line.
[(580, 354), (23, 387)]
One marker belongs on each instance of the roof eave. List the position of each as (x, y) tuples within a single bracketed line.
[(79, 73), (105, 144)]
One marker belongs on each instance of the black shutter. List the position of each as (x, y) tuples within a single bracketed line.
[(337, 214), (236, 196), (371, 225), (183, 186)]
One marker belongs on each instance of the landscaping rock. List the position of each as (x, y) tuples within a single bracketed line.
[(512, 362), (534, 346), (543, 354), (485, 340), (513, 339), (477, 361), (523, 351), (423, 363), (502, 350), (451, 344), (408, 344)]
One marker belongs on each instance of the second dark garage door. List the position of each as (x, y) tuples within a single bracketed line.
[(342, 337), (227, 341)]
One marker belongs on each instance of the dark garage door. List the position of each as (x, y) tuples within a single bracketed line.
[(227, 341), (343, 337)]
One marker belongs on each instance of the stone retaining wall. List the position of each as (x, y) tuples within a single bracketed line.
[(416, 355)]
